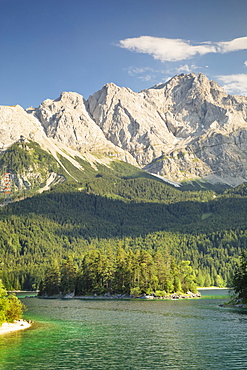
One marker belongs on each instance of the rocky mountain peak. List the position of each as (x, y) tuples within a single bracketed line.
[(67, 121), (188, 127), (191, 103), (15, 122), (185, 88), (130, 122), (71, 99), (163, 128)]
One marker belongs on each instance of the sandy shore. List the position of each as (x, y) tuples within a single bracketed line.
[(16, 325)]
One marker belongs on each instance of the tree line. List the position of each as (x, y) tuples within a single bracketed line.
[(119, 272), (29, 242)]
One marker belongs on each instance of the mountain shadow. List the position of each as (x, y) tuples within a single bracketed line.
[(95, 216)]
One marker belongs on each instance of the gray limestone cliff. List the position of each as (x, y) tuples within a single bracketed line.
[(131, 122), (187, 128), (67, 121), (184, 129)]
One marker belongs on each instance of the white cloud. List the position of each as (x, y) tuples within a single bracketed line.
[(233, 45), (172, 50), (245, 63), (234, 84), (166, 49)]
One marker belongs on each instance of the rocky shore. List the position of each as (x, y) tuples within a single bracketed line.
[(187, 295), (14, 326), (173, 296)]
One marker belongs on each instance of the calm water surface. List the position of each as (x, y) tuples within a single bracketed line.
[(132, 334)]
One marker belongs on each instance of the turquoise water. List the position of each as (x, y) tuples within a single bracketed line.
[(131, 334)]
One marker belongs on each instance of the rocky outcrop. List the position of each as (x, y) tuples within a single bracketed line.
[(16, 124), (210, 126), (131, 122), (67, 121)]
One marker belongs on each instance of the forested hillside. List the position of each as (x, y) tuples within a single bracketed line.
[(122, 207)]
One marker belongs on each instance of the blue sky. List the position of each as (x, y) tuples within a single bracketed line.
[(50, 46)]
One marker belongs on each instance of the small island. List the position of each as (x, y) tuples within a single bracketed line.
[(124, 275), (11, 310)]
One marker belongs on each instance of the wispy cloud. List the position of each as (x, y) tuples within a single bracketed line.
[(245, 63), (186, 68), (234, 84), (173, 50), (133, 71), (145, 73), (157, 75)]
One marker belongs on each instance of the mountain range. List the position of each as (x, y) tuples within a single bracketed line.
[(187, 129), (109, 163)]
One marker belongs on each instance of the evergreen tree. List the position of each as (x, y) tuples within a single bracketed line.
[(68, 277), (240, 278), (51, 284)]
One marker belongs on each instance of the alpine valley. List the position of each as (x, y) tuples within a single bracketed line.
[(155, 177)]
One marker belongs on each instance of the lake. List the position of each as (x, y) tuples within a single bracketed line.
[(129, 334)]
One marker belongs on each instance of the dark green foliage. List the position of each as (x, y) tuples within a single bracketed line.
[(29, 167), (68, 277), (51, 284), (65, 220), (239, 281), (22, 156), (239, 190), (202, 185)]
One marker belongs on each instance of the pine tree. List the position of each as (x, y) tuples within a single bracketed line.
[(51, 283), (68, 277), (240, 278)]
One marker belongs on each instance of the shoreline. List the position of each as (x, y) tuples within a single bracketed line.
[(172, 296), (14, 326), (212, 288)]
